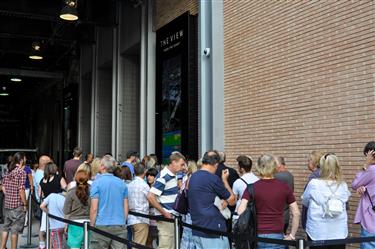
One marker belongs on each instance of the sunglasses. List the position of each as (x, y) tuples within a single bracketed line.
[(329, 154)]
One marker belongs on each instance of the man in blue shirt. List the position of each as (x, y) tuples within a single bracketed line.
[(131, 157), (204, 186), (109, 206)]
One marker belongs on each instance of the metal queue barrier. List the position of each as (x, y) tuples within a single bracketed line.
[(300, 243)]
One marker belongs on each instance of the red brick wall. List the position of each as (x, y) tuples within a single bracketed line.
[(299, 76), (166, 11)]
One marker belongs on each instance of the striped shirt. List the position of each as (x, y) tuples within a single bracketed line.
[(165, 188)]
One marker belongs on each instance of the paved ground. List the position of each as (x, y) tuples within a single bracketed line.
[(22, 239)]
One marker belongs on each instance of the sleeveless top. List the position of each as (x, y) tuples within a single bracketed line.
[(52, 186)]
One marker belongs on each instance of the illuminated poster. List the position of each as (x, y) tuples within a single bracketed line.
[(176, 95)]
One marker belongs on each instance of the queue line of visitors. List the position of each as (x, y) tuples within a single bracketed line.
[(103, 194)]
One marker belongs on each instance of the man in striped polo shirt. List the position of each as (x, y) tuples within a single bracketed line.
[(162, 196)]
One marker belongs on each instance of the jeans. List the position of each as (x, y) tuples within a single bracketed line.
[(211, 243), (367, 245), (263, 245)]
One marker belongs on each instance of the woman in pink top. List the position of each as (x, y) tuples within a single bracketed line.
[(364, 184)]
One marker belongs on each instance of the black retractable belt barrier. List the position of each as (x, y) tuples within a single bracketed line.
[(340, 241), (152, 217), (65, 220), (121, 240), (238, 237), (96, 230)]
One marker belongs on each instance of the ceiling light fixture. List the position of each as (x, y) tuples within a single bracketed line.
[(14, 79), (69, 11), (4, 93), (35, 53)]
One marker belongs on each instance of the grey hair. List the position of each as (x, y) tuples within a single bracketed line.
[(223, 156), (109, 163)]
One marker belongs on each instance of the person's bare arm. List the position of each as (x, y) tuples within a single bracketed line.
[(43, 206), (242, 206), (93, 211), (63, 183), (23, 198), (151, 197), (31, 181), (295, 221), (232, 198)]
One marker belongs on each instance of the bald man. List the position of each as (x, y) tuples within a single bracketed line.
[(43, 160)]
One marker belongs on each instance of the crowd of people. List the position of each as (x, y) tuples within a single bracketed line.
[(102, 191)]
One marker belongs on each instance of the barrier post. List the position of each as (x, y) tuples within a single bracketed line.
[(86, 235), (48, 232), (176, 233), (301, 244), (29, 225)]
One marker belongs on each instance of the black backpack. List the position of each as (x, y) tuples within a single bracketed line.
[(246, 225)]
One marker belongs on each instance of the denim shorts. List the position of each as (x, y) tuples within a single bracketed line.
[(263, 245), (367, 245), (205, 243)]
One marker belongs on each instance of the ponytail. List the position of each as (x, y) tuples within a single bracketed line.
[(82, 189)]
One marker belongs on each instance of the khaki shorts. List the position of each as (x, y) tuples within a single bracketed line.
[(14, 220)]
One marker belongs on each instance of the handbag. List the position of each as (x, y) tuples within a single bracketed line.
[(372, 205), (181, 204)]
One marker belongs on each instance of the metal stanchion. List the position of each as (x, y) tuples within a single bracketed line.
[(86, 235), (176, 233), (301, 244), (48, 233), (29, 226)]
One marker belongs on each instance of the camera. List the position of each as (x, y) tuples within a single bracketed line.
[(206, 52)]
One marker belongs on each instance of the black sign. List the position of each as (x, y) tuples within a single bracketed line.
[(177, 94)]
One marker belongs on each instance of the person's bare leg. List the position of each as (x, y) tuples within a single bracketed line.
[(4, 240), (42, 240), (14, 241)]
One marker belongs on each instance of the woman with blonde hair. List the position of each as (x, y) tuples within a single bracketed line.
[(85, 167), (270, 196), (326, 199), (95, 168)]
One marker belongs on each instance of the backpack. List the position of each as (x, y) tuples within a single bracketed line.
[(246, 225), (333, 206)]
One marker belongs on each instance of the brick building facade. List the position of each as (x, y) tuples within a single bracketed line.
[(298, 76)]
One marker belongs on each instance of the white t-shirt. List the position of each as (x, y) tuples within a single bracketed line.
[(55, 205), (239, 186), (73, 184), (320, 226)]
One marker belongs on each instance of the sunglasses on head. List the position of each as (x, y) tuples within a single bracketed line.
[(328, 154)]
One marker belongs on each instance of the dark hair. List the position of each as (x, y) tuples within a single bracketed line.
[(139, 169), (131, 153), (211, 157), (244, 162), (281, 160), (152, 172), (369, 147), (123, 173), (87, 156), (82, 189), (77, 152), (16, 159), (49, 170)]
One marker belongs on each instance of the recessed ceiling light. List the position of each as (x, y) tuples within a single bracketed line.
[(14, 79), (35, 53), (69, 11)]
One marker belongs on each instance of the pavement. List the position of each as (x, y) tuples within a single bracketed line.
[(22, 239)]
